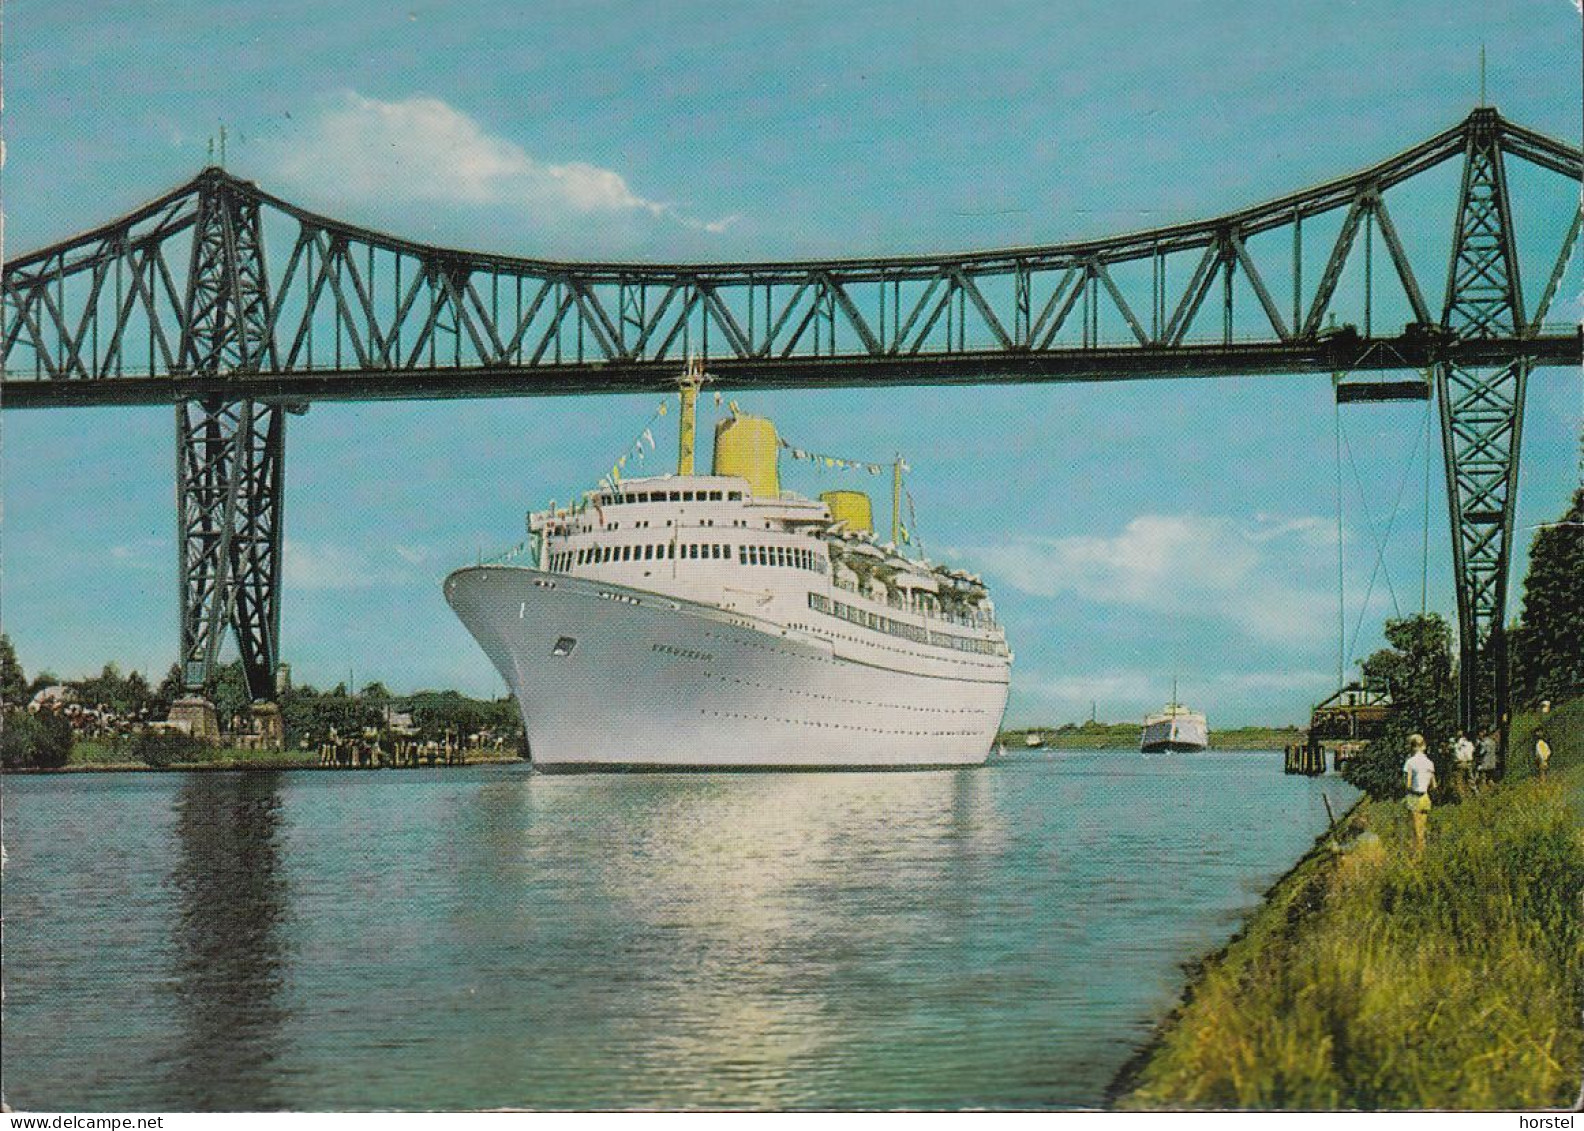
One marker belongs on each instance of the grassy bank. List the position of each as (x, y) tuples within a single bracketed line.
[(1125, 736), (1375, 978)]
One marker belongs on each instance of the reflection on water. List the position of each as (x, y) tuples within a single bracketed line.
[(769, 906), (1000, 937), (230, 899)]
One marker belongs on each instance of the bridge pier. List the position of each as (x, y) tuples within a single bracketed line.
[(200, 717), (1481, 410), (230, 453), (230, 471)]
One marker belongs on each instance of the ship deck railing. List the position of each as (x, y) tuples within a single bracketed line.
[(941, 615)]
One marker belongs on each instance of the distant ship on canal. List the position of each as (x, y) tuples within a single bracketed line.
[(1175, 728), (715, 621)]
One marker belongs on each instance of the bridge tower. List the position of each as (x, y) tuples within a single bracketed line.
[(229, 453), (1481, 410)]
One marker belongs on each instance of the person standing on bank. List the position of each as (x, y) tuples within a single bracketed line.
[(1463, 762), (1542, 754), (1418, 779), (1487, 755)]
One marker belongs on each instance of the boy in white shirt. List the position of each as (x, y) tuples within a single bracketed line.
[(1418, 780)]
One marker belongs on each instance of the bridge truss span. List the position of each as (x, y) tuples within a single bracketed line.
[(1331, 277)]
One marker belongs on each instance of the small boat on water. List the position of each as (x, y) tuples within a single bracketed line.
[(1175, 728), (1033, 739)]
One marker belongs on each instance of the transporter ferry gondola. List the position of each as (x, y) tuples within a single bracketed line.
[(714, 621)]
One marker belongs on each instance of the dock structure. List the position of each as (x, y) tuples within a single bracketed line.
[(377, 750), (1347, 721), (1308, 758)]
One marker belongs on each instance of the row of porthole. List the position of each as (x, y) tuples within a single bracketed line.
[(685, 653), (841, 726)]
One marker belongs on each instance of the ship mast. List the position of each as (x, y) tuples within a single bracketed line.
[(896, 501), (692, 380)]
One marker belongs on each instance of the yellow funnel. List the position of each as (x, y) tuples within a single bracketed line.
[(851, 507), (747, 446)]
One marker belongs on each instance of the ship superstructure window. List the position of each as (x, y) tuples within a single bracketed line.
[(789, 557), (782, 557), (820, 603)]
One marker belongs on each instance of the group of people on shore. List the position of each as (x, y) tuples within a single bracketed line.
[(1419, 775)]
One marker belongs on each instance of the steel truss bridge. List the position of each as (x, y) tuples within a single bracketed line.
[(239, 307)]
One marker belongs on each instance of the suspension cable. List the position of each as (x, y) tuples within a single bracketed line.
[(1380, 567)]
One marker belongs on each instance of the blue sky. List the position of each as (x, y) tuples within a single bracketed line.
[(1131, 532)]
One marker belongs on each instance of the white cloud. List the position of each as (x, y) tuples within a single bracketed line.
[(1263, 579), (1313, 531), (421, 150), (328, 566)]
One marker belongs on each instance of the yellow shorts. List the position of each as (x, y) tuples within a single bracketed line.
[(1417, 802)]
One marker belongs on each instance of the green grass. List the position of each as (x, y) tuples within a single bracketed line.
[(1388, 980)]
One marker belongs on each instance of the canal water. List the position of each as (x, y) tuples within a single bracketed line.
[(1003, 937)]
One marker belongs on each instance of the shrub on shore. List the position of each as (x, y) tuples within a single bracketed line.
[(34, 741), (1418, 669)]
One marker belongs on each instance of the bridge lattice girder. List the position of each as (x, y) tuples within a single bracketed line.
[(357, 314), (174, 303)]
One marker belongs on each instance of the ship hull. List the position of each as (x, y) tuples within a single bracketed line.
[(613, 678), (1188, 735)]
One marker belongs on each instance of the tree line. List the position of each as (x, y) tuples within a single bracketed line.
[(126, 703), (1545, 656)]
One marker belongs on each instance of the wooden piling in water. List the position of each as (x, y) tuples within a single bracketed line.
[(1307, 758), (366, 753)]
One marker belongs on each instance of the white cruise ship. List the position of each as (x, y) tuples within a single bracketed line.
[(714, 621), (1175, 728)]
